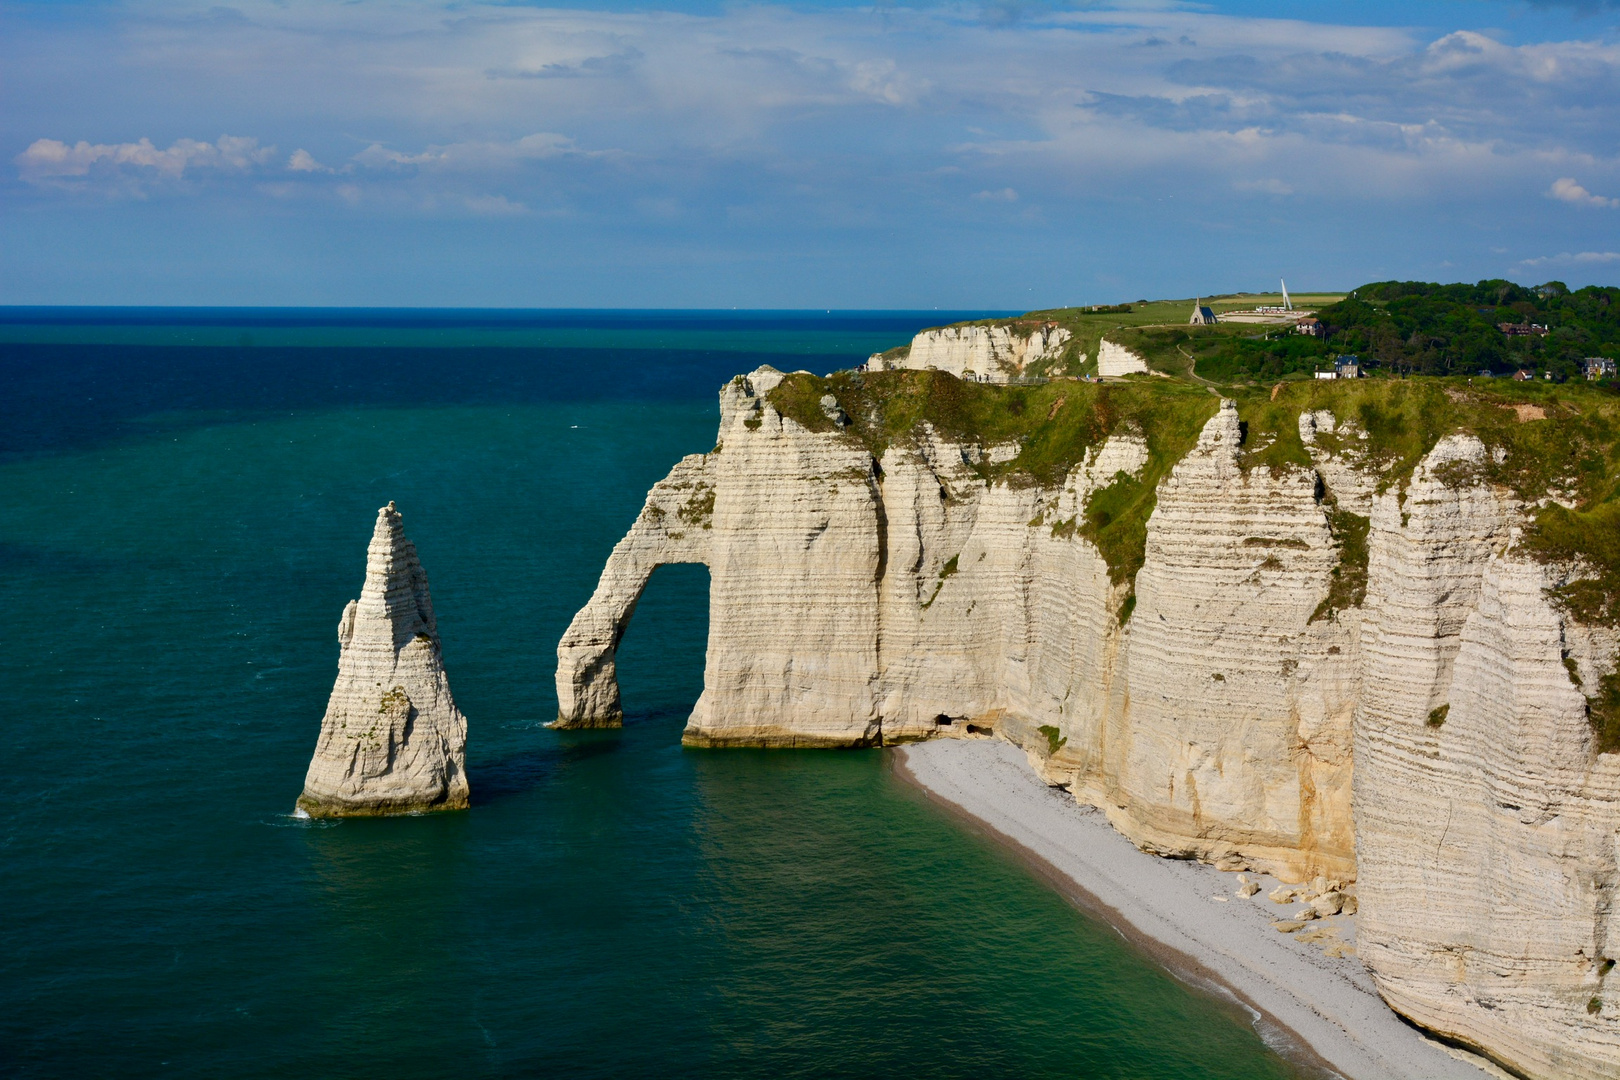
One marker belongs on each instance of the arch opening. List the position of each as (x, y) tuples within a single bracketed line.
[(673, 528), (664, 642)]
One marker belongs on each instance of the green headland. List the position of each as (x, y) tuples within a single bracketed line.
[(1424, 351)]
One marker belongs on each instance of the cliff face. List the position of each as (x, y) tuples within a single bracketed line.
[(856, 600), (1255, 689), (796, 552), (392, 740), (1115, 360), (1231, 738), (1488, 826), (984, 353)]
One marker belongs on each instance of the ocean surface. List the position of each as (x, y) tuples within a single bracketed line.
[(185, 502)]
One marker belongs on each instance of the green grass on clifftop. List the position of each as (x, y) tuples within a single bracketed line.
[(1088, 325), (1053, 425), (1546, 440)]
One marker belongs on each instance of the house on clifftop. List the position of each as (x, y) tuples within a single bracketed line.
[(1202, 315), (1344, 367)]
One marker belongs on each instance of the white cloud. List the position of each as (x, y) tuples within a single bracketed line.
[(1004, 195), (378, 156), (304, 161), (1582, 258), (834, 111), (494, 205), (1269, 186), (1569, 191), (881, 80), (50, 161), (471, 155)]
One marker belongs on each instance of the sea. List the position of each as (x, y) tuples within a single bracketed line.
[(185, 502)]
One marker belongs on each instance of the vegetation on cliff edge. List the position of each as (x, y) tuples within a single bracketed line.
[(1555, 446), (1400, 327), (1052, 425)]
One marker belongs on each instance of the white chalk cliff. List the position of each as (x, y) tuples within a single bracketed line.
[(984, 353), (392, 740), (1115, 360), (1227, 704), (1487, 842)]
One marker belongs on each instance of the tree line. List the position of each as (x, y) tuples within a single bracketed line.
[(1423, 328)]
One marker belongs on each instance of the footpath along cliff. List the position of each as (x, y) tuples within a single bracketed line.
[(1357, 633)]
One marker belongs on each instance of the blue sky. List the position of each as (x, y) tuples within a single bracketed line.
[(1001, 153)]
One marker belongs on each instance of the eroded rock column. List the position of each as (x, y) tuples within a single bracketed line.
[(392, 740)]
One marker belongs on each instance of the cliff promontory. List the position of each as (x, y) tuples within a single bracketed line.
[(1360, 632), (979, 352), (392, 740)]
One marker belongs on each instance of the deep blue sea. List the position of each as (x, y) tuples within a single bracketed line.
[(185, 501)]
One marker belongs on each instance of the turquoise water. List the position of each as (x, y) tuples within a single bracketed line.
[(174, 563)]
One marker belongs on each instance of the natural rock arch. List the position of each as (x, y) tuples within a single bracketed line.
[(673, 527), (856, 601), (788, 522)]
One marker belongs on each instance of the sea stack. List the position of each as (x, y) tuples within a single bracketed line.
[(393, 741)]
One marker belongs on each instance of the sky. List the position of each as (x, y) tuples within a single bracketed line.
[(1008, 154)]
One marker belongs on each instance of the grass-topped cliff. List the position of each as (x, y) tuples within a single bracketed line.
[(1556, 447), (1402, 327), (1090, 324), (1053, 425)]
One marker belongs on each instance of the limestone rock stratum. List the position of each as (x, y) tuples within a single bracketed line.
[(982, 353), (1116, 360), (392, 740), (1336, 659)]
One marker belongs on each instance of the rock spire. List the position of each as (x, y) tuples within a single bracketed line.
[(392, 741)]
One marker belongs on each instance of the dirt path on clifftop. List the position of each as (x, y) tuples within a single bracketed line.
[(1192, 369)]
